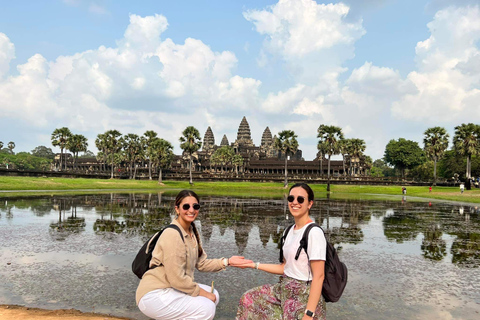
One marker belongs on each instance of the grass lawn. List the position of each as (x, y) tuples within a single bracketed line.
[(240, 189)]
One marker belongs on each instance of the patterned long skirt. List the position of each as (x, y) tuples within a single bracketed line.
[(286, 300)]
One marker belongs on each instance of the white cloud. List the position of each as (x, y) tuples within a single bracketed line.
[(298, 27), (378, 81), (7, 53), (28, 92), (141, 84), (447, 81)]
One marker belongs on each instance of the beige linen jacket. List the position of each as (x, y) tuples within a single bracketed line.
[(176, 262)]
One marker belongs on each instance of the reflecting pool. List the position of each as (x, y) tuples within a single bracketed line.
[(406, 259)]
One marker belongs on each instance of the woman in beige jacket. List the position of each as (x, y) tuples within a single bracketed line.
[(168, 290)]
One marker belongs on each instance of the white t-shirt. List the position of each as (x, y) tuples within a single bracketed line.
[(317, 250)]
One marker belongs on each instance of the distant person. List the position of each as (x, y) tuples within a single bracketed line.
[(168, 291), (462, 187), (430, 189), (404, 190)]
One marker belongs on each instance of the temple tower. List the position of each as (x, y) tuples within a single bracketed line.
[(267, 144), (267, 139), (208, 140), (243, 135), (224, 141)]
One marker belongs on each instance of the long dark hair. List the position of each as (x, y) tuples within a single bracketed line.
[(305, 187), (178, 199)]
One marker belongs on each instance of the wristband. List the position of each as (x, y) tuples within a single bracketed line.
[(256, 265), (225, 262)]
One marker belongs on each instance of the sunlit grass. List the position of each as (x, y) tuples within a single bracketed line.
[(238, 189)]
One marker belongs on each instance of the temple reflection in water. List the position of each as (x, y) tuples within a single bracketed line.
[(343, 220)]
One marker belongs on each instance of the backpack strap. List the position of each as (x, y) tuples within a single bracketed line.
[(153, 240), (282, 241), (160, 233), (304, 240)]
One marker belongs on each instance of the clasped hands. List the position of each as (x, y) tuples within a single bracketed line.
[(240, 262)]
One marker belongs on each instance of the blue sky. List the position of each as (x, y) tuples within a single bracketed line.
[(380, 69)]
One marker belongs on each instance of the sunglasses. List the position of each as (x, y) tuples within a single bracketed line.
[(300, 199), (186, 206)]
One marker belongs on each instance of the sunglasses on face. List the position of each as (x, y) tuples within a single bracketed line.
[(300, 199), (186, 206)]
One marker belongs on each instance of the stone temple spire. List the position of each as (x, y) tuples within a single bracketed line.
[(243, 134), (224, 141), (267, 139), (208, 140)]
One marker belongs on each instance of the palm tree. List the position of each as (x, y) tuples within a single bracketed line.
[(113, 146), (329, 138), (101, 145), (11, 146), (435, 143), (214, 161), (76, 144), (190, 143), (466, 142), (321, 155), (163, 155), (356, 149), (150, 136), (60, 138), (132, 145), (223, 155), (287, 143), (343, 151), (237, 161)]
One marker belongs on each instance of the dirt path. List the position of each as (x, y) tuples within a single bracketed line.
[(24, 313)]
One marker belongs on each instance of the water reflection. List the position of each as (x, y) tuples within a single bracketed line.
[(105, 230), (144, 214)]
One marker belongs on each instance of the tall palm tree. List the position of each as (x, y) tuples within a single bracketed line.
[(163, 155), (435, 143), (190, 143), (101, 144), (132, 146), (466, 142), (321, 155), (60, 138), (214, 161), (113, 146), (287, 143), (329, 138), (356, 148), (237, 161), (224, 155), (11, 146), (150, 136), (76, 144), (343, 151)]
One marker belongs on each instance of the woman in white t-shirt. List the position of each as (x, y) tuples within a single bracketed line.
[(298, 294)]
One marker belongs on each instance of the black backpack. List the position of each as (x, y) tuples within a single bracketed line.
[(141, 263), (336, 273)]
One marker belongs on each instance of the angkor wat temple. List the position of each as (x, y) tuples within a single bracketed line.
[(259, 162), (262, 159)]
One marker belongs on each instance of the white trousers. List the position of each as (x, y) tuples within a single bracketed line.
[(171, 304)]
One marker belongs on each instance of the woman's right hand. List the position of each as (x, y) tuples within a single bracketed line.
[(208, 295)]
